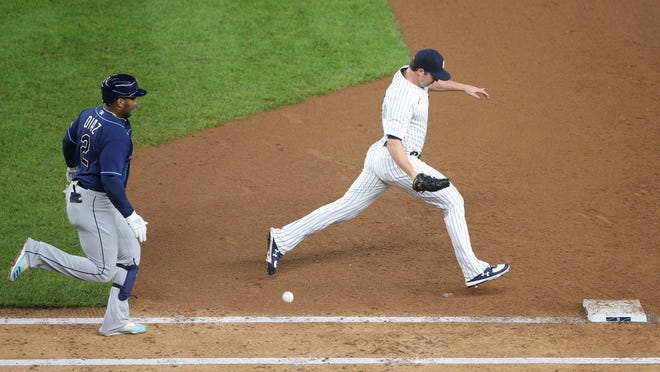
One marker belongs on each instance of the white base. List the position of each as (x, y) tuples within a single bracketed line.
[(614, 310)]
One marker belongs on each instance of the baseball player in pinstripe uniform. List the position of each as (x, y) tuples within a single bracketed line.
[(98, 148), (394, 160)]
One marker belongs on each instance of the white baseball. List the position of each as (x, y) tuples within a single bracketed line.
[(287, 296)]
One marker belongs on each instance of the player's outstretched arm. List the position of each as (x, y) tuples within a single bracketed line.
[(451, 85)]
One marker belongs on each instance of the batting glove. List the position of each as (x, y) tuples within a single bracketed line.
[(70, 172), (138, 225)]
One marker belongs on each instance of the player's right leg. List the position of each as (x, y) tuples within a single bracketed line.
[(358, 197), (362, 193), (46, 256), (21, 262), (89, 215), (366, 188)]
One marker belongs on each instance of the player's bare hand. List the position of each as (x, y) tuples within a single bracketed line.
[(475, 92)]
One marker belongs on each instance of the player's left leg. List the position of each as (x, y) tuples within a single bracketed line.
[(450, 201), (117, 314)]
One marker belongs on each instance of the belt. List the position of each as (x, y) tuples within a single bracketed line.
[(78, 184)]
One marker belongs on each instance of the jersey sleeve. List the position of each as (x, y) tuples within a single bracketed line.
[(113, 161), (114, 188), (70, 145)]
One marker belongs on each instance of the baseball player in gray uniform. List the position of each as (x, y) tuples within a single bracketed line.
[(98, 148), (394, 160)]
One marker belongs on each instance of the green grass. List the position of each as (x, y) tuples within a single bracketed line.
[(203, 63)]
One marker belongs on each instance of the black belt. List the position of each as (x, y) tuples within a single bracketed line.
[(78, 184)]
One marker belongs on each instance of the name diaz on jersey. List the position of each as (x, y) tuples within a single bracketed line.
[(92, 124)]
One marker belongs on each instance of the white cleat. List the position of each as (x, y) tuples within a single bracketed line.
[(129, 329), (21, 263)]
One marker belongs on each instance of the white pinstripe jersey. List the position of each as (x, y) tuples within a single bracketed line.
[(405, 112)]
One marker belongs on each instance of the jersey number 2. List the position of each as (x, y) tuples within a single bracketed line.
[(84, 149)]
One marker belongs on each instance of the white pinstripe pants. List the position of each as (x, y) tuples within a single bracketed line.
[(379, 173)]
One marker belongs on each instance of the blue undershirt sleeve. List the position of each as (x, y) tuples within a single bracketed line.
[(114, 188), (70, 152)]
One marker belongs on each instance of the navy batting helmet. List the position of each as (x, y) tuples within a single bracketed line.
[(120, 86)]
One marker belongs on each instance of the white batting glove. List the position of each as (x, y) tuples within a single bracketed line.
[(138, 225), (70, 172)]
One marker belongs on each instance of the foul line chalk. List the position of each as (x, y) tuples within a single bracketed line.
[(310, 361), (300, 319)]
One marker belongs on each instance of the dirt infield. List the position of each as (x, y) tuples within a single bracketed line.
[(559, 171)]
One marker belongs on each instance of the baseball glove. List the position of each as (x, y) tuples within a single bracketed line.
[(424, 182)]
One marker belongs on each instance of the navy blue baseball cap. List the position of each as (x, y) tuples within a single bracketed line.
[(120, 86), (432, 62)]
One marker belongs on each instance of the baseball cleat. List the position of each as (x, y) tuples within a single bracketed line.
[(129, 329), (273, 255), (491, 272), (21, 263)]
